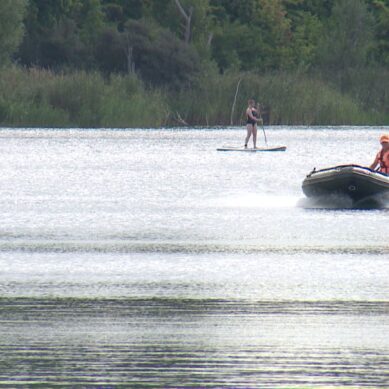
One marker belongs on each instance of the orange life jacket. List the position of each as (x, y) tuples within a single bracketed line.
[(383, 159)]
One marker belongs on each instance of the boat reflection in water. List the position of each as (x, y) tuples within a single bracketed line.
[(352, 186)]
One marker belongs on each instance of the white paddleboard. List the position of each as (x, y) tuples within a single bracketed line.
[(251, 150)]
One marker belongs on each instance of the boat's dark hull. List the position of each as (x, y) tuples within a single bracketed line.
[(354, 181)]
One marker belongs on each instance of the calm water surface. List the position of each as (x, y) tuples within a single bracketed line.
[(146, 258)]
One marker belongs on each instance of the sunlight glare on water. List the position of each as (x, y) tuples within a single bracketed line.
[(146, 258)]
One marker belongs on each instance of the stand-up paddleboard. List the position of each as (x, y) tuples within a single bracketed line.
[(252, 150)]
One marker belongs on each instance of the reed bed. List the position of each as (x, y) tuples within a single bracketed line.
[(42, 98)]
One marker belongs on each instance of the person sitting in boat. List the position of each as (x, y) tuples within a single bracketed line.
[(382, 158)]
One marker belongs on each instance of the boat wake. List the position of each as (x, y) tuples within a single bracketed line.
[(326, 202), (337, 201), (257, 201)]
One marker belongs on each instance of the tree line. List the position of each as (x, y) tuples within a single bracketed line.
[(188, 54)]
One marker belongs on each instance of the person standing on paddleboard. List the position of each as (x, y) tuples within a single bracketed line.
[(251, 124), (382, 157)]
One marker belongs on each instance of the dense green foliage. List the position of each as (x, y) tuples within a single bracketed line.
[(105, 62), (11, 27)]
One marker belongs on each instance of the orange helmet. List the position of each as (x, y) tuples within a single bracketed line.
[(384, 138)]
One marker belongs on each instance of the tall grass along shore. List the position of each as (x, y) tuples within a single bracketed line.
[(41, 98)]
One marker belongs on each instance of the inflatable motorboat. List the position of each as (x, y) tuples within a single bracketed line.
[(354, 181)]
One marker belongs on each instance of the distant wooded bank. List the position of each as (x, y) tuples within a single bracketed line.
[(134, 63)]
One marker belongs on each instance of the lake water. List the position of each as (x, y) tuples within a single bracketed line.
[(146, 258)]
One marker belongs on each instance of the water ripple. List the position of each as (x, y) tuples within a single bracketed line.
[(171, 343), (119, 246)]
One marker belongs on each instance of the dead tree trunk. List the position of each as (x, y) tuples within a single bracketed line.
[(234, 102), (128, 52), (187, 16), (130, 62), (209, 41)]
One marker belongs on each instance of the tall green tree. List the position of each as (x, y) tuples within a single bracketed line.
[(11, 27), (255, 35), (119, 10), (154, 53), (380, 10), (319, 8), (61, 33), (306, 20), (346, 38)]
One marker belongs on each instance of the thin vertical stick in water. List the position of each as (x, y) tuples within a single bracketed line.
[(233, 104), (264, 133)]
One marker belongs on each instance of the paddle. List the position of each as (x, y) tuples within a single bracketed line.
[(261, 121), (264, 133)]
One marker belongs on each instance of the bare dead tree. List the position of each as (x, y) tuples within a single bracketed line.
[(130, 62), (234, 102), (187, 16), (209, 41), (128, 52), (180, 119)]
